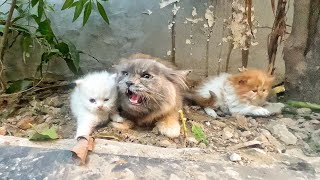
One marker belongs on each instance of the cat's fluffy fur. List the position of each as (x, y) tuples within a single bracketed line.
[(93, 101), (242, 93), (150, 92)]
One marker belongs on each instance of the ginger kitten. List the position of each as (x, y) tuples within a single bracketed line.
[(93, 101), (150, 93), (242, 93)]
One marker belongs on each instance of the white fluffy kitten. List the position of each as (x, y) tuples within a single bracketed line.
[(242, 93), (93, 101)]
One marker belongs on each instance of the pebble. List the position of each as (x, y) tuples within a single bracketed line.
[(246, 133), (192, 140), (234, 157), (284, 134), (304, 111), (253, 122), (227, 133), (3, 130), (314, 121), (301, 135), (288, 122), (315, 137), (202, 145), (207, 123), (25, 123), (54, 101), (165, 143)]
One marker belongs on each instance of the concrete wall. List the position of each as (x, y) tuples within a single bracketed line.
[(132, 31)]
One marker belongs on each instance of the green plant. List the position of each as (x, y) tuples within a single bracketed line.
[(32, 23)]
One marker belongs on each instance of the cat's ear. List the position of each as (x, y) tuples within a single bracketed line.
[(178, 77), (113, 76)]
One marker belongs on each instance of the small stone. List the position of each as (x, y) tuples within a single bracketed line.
[(242, 121), (3, 130), (253, 122), (202, 145), (25, 123), (246, 133), (234, 157), (207, 123), (218, 123), (304, 111), (301, 135), (227, 133), (165, 143), (54, 101), (288, 122), (192, 140), (314, 121), (315, 138), (284, 134)]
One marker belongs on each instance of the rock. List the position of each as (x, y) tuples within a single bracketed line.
[(165, 143), (307, 126), (253, 122), (274, 108), (283, 134), (3, 130), (303, 111), (234, 157), (192, 140), (202, 145), (288, 122), (246, 133), (218, 123), (301, 135), (314, 121), (25, 123), (54, 101), (207, 123), (315, 137), (227, 133), (242, 122), (272, 140), (245, 144)]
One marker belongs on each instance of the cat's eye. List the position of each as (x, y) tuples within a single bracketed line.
[(106, 99), (264, 90), (125, 73), (92, 100), (146, 75), (255, 90)]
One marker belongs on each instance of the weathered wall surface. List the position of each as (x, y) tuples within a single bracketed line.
[(132, 31)]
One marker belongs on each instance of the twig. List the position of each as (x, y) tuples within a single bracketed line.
[(3, 44), (228, 56), (173, 38), (183, 119)]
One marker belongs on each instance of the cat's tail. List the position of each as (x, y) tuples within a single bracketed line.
[(197, 99)]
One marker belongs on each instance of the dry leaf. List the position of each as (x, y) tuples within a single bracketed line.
[(82, 147), (25, 123), (125, 125), (3, 130)]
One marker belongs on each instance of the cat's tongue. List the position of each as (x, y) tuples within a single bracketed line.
[(134, 99)]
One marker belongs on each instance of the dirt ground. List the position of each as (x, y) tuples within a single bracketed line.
[(49, 107)]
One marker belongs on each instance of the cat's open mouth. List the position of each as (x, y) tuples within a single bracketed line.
[(134, 98)]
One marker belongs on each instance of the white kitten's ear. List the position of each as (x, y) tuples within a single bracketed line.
[(113, 76)]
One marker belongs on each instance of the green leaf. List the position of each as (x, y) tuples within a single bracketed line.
[(300, 104), (199, 134), (78, 10), (45, 135), (102, 12), (34, 2), (45, 29), (27, 42), (63, 48), (87, 12), (19, 85), (40, 8), (75, 57), (67, 4)]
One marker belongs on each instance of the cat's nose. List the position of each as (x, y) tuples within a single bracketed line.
[(100, 107), (129, 83)]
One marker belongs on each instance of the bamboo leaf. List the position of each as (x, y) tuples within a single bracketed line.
[(67, 4), (19, 85), (102, 12), (78, 10), (34, 2), (87, 12), (301, 104), (199, 134)]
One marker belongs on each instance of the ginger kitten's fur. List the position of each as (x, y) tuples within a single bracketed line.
[(150, 92), (242, 93)]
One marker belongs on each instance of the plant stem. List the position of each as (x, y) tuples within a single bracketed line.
[(3, 44)]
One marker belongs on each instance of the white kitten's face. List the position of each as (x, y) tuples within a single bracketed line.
[(97, 92)]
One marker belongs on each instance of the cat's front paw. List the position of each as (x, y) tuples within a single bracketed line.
[(260, 112), (211, 112), (124, 125), (170, 130)]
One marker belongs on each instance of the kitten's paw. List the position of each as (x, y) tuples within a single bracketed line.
[(117, 118), (211, 112), (125, 125), (260, 112), (170, 130)]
